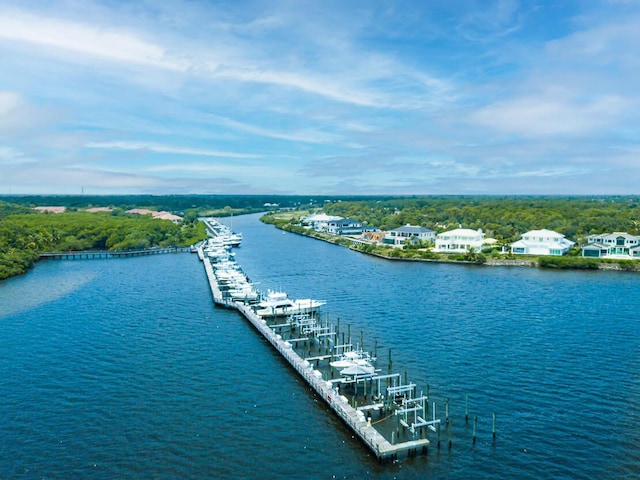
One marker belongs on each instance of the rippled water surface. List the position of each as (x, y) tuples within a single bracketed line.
[(124, 369)]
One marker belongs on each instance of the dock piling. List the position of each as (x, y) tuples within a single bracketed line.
[(475, 425), (493, 430), (466, 409)]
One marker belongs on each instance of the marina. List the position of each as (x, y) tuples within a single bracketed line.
[(388, 413), (138, 375)]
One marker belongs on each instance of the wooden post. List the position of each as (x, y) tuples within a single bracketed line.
[(475, 424), (426, 403), (466, 409), (446, 410), (494, 426), (425, 408)]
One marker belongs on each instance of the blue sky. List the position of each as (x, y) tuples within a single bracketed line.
[(320, 97)]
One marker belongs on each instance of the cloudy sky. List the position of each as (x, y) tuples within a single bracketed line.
[(320, 97)]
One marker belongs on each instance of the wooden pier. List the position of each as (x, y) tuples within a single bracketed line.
[(101, 254)]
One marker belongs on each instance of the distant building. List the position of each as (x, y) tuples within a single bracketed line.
[(344, 226), (620, 245), (542, 242), (154, 214), (319, 221), (409, 234), (460, 240)]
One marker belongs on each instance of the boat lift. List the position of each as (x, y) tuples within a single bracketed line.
[(415, 405)]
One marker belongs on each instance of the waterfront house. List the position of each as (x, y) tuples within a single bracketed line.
[(542, 242), (319, 221), (344, 226), (409, 234), (460, 240), (620, 245)]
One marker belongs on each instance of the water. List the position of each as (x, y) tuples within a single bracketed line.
[(124, 369)]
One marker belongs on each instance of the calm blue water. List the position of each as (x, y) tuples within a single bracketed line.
[(124, 369)]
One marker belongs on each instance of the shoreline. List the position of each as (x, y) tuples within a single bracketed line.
[(489, 262)]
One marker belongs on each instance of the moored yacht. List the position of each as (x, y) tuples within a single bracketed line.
[(278, 304)]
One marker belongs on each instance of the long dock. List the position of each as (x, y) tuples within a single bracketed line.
[(328, 392), (401, 413)]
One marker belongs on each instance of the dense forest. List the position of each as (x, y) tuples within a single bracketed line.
[(24, 234), (502, 218)]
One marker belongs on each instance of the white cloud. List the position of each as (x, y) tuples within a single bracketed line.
[(307, 135), (243, 171), (9, 101), (10, 156), (86, 39), (546, 115), (169, 149)]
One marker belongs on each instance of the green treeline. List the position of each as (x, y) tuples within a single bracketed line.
[(502, 218), (206, 205), (24, 235)]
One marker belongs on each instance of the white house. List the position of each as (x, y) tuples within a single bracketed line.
[(612, 245), (344, 226), (542, 242), (319, 221), (409, 233), (459, 240)]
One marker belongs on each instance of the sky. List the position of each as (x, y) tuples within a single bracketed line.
[(324, 97)]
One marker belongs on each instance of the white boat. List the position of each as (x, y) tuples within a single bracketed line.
[(358, 370), (223, 233), (354, 363), (245, 292), (234, 239), (278, 304)]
